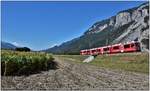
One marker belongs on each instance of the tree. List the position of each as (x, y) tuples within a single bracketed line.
[(26, 49)]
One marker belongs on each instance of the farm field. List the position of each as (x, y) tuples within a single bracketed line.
[(24, 63), (73, 74)]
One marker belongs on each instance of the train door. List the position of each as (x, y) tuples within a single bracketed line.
[(94, 52), (121, 48), (88, 52), (106, 49), (99, 50), (84, 52)]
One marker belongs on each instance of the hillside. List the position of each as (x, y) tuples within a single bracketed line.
[(126, 25), (6, 45)]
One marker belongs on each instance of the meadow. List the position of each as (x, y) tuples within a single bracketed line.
[(135, 62)]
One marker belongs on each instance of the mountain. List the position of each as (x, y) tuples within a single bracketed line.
[(127, 25), (6, 45)]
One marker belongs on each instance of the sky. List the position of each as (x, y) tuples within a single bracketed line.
[(41, 25)]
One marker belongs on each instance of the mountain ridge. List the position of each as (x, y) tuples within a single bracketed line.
[(6, 45), (127, 25)]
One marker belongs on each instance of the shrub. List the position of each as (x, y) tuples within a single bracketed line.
[(26, 49)]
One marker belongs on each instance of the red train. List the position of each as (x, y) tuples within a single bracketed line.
[(116, 48)]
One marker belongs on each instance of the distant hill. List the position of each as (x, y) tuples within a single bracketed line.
[(127, 25), (6, 45)]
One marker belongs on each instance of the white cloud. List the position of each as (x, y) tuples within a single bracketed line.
[(16, 44), (53, 45)]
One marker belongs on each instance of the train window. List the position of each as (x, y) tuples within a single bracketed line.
[(84, 51), (98, 50), (106, 49), (116, 47), (127, 46), (93, 50), (132, 45)]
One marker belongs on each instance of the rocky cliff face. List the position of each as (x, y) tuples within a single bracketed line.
[(138, 29), (127, 25)]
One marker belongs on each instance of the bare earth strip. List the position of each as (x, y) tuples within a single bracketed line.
[(78, 76)]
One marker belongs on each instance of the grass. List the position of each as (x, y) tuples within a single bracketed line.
[(24, 63), (130, 62), (135, 62), (75, 58)]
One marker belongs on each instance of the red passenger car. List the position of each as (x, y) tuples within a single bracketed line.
[(132, 47), (99, 50), (116, 48)]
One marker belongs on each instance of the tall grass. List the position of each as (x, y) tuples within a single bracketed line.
[(18, 63)]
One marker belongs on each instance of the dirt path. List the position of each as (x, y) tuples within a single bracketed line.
[(72, 75)]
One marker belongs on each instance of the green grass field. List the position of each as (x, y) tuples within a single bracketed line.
[(75, 58), (135, 62)]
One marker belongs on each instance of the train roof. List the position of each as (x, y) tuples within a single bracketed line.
[(131, 42)]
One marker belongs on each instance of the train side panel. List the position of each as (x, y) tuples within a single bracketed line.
[(132, 47), (116, 48), (106, 49)]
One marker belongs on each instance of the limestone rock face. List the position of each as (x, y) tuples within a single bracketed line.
[(127, 25), (138, 20), (123, 18), (140, 28)]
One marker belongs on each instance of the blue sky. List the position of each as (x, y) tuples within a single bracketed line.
[(40, 25)]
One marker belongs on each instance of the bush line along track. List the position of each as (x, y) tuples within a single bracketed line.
[(73, 75)]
